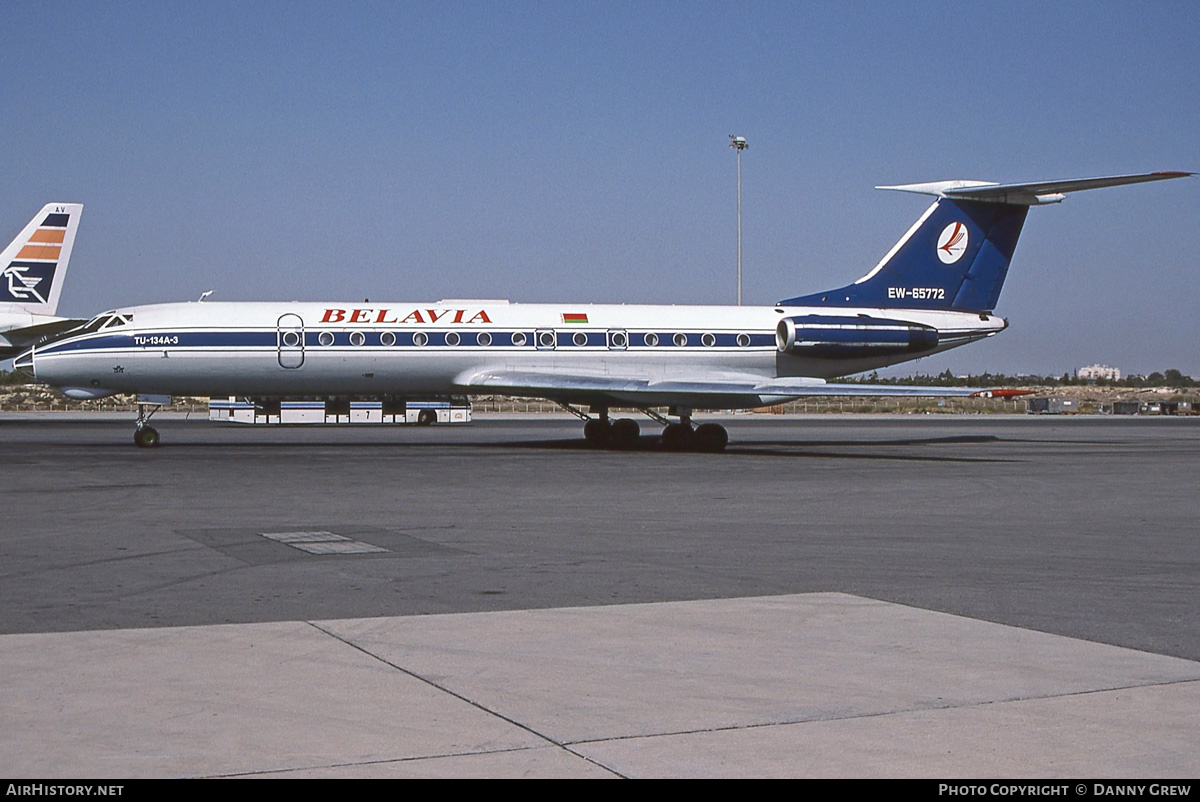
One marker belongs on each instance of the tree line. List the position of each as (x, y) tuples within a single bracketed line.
[(1168, 378)]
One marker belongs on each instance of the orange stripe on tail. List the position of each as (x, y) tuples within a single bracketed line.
[(39, 252), (52, 235)]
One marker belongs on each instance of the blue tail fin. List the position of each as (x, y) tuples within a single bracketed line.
[(955, 257)]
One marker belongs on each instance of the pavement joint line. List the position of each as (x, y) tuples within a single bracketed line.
[(129, 593), (566, 745), (183, 580), (880, 714), (477, 705), (379, 762), (102, 561)]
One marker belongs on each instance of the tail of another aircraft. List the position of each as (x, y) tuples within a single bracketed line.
[(33, 266), (956, 256)]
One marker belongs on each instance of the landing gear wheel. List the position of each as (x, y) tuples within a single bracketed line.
[(677, 437), (146, 437), (598, 433), (625, 433), (426, 417), (710, 438)]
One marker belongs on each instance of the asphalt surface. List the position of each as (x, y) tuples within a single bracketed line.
[(1085, 527)]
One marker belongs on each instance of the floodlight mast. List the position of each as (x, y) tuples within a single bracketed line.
[(738, 143)]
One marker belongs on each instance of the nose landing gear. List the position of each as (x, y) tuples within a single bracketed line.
[(146, 436)]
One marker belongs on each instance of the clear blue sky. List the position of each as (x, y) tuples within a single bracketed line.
[(576, 151)]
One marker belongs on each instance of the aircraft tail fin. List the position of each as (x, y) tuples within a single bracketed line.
[(956, 256), (33, 266)]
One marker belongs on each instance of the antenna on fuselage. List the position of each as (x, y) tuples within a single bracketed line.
[(204, 295)]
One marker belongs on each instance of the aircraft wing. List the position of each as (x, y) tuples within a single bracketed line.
[(721, 392)]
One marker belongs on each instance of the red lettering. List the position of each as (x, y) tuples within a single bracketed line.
[(458, 313), (330, 316), (383, 314), (414, 317), (434, 317), (360, 315), (482, 317)]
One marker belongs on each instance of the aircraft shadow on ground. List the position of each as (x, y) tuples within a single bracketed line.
[(795, 449), (801, 449), (845, 448)]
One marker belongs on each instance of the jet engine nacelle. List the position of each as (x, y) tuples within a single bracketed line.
[(841, 337)]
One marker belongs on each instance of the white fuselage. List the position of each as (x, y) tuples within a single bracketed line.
[(408, 348)]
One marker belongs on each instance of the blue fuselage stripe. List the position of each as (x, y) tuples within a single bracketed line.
[(317, 341)]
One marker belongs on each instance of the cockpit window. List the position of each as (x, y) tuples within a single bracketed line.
[(94, 324), (107, 320)]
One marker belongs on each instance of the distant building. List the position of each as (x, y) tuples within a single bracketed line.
[(1093, 372)]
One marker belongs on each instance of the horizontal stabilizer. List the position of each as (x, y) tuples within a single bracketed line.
[(15, 340), (1030, 194)]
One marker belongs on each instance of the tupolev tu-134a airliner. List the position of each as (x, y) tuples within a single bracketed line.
[(934, 290)]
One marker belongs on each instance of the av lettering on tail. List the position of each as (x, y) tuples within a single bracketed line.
[(32, 270)]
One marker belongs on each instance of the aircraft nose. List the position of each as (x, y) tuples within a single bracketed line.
[(24, 362)]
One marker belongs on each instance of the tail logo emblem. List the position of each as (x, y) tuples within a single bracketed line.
[(952, 243), (23, 287)]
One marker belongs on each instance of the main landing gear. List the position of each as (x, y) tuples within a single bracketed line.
[(709, 438), (145, 436), (623, 434)]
